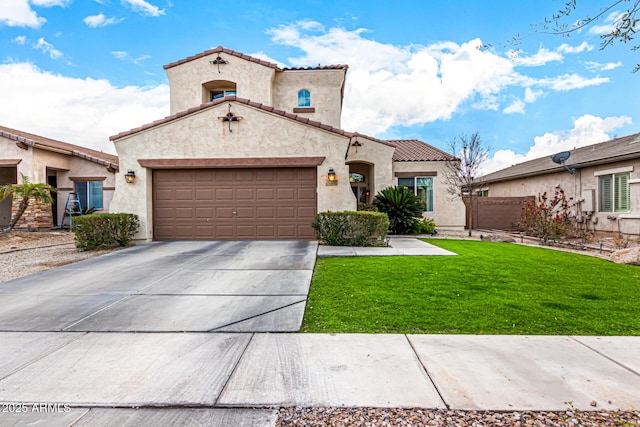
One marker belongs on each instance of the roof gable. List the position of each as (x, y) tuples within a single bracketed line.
[(626, 147), (257, 105), (48, 144), (250, 58), (414, 150)]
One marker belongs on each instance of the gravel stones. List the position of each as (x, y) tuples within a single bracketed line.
[(382, 417)]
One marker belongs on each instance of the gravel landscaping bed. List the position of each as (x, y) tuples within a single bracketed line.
[(23, 253), (298, 416)]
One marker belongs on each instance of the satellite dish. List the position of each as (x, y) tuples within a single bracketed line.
[(561, 159)]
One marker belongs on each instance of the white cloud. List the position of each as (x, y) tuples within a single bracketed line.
[(18, 13), (532, 95), (587, 130), (95, 21), (143, 7), (542, 57), (516, 107), (567, 82), (565, 48), (80, 111), (20, 40), (47, 47), (124, 56), (596, 66), (51, 3), (609, 24)]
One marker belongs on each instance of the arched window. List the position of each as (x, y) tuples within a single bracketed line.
[(304, 98)]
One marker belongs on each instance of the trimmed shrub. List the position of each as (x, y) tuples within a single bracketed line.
[(425, 226), (402, 206), (104, 230), (350, 228)]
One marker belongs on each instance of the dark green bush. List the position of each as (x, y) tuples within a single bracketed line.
[(104, 230), (425, 226), (350, 228), (402, 206)]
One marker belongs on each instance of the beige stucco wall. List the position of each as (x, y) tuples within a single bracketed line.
[(35, 163), (202, 135), (325, 87), (379, 157), (253, 81), (575, 186), (448, 212)]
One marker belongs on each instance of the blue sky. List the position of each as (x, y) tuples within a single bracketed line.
[(82, 70)]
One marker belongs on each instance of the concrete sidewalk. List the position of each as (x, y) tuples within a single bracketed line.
[(398, 246), (94, 371)]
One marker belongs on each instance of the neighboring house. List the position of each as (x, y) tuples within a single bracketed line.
[(605, 184), (253, 151), (67, 167)]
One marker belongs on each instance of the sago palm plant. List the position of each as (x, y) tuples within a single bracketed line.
[(24, 192), (401, 206)]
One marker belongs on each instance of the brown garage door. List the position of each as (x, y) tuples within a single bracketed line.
[(206, 204)]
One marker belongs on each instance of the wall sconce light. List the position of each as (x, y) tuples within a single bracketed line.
[(332, 179), (130, 177)]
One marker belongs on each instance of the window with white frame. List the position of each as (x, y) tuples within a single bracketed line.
[(613, 192), (89, 194), (421, 187), (304, 98)]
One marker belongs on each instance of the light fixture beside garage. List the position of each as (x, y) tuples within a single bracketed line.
[(332, 179), (130, 177)]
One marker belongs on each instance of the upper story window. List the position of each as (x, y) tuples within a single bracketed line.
[(217, 94), (356, 177), (217, 89), (421, 187), (89, 194), (613, 192), (304, 98)]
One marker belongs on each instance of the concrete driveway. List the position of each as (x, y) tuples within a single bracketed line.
[(222, 286)]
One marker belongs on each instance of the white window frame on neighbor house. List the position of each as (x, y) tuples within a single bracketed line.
[(93, 189), (424, 191), (613, 190)]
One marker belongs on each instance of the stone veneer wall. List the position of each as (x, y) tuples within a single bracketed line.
[(37, 213)]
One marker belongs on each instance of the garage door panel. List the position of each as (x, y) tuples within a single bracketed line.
[(270, 203)]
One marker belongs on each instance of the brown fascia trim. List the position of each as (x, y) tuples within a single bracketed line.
[(240, 162), (304, 110), (10, 162), (87, 178), (414, 174)]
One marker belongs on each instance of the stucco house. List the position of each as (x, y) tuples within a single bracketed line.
[(605, 183), (67, 167), (253, 151)]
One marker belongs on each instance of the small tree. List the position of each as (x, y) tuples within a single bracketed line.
[(25, 192), (462, 174), (401, 206), (547, 218)]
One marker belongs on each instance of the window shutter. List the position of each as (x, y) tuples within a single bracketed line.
[(604, 193), (622, 193)]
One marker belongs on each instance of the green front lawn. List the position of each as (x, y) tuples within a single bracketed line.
[(490, 288)]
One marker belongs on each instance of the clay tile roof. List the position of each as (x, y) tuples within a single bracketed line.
[(43, 143), (319, 67), (413, 150), (233, 98), (221, 49), (626, 147)]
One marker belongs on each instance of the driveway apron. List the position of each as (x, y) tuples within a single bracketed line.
[(221, 286)]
